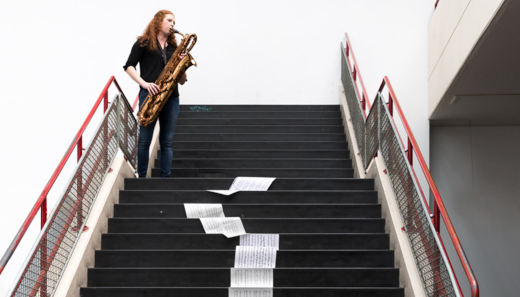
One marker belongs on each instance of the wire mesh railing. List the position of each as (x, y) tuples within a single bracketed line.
[(356, 109), (429, 257), (378, 134), (56, 242)]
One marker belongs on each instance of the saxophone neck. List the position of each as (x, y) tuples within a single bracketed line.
[(175, 31)]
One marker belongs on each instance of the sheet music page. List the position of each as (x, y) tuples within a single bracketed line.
[(247, 183), (203, 210), (212, 225), (230, 227), (223, 192), (252, 278), (265, 240), (255, 257), (250, 292)]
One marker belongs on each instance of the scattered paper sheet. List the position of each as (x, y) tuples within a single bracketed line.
[(247, 183), (250, 292), (265, 240), (203, 210), (230, 227), (224, 192), (255, 257), (252, 278)]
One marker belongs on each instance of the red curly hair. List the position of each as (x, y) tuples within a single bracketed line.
[(149, 37)]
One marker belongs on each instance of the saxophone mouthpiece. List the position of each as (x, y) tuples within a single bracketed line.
[(173, 31)]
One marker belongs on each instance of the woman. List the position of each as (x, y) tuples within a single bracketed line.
[(152, 50)]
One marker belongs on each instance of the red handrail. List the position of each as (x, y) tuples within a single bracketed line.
[(41, 203), (439, 210)]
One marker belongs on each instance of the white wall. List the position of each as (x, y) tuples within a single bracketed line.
[(453, 32), (57, 56), (476, 170)]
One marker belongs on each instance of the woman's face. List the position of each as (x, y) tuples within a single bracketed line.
[(167, 24)]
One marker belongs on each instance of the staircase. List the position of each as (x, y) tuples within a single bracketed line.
[(332, 236)]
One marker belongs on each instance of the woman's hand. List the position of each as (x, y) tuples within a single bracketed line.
[(183, 78), (150, 87)]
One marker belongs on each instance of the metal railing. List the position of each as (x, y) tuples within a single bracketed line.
[(377, 133), (59, 234)]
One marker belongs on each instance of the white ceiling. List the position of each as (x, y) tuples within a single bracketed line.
[(486, 91)]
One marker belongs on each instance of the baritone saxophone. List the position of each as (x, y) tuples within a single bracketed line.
[(180, 60)]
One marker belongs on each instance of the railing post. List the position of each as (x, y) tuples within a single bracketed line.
[(79, 147), (105, 135), (43, 249), (79, 190), (79, 184), (43, 266), (43, 212), (436, 217), (105, 102), (125, 125), (390, 104), (409, 152)]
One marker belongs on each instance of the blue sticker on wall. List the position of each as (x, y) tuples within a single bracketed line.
[(200, 108)]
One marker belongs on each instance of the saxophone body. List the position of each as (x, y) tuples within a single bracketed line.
[(180, 60)]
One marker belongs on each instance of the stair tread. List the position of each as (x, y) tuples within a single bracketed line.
[(257, 192), (341, 135), (257, 204), (213, 276), (243, 125), (225, 258), (227, 268), (233, 250), (280, 288), (231, 179), (262, 150)]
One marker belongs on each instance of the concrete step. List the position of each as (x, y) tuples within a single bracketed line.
[(272, 114), (256, 225), (211, 277), (223, 292), (252, 107), (259, 137), (271, 196), (260, 153), (225, 183), (263, 145), (278, 172), (226, 258), (204, 128), (260, 121), (264, 210), (303, 241), (258, 163)]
